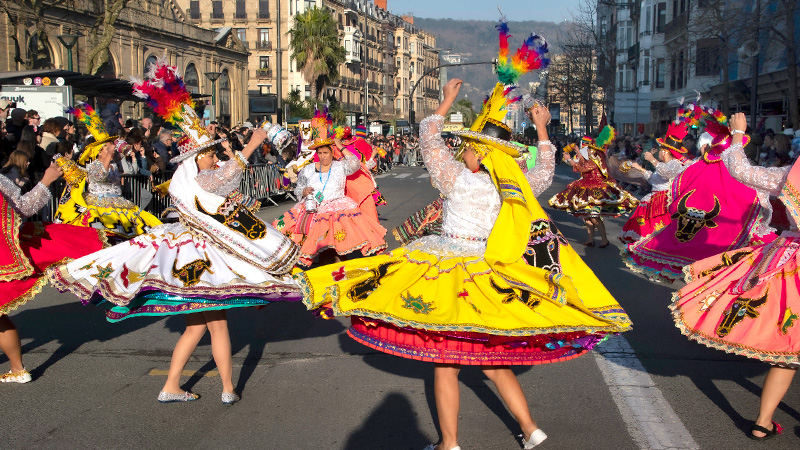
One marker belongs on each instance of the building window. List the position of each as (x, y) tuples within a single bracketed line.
[(192, 79), (263, 9), (660, 72), (241, 33), (194, 10), (263, 62), (216, 9), (263, 39), (309, 4), (241, 12), (660, 17), (707, 57)]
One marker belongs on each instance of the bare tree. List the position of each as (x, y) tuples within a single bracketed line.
[(29, 16), (561, 84), (784, 31), (588, 28), (102, 32), (579, 44)]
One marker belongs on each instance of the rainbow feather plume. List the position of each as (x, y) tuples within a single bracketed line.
[(530, 56), (85, 114), (164, 91)]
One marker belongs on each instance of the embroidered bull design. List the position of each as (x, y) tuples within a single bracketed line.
[(741, 308), (544, 246), (690, 220), (363, 289), (727, 261), (511, 295), (191, 272), (240, 220)]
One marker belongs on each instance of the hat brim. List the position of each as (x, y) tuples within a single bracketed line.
[(506, 146), (321, 143), (93, 148), (184, 156)]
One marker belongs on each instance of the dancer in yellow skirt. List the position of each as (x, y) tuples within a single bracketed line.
[(468, 297), (93, 197)]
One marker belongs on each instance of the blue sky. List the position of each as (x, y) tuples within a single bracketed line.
[(548, 10)]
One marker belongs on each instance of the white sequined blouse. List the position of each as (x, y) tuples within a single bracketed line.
[(105, 186), (330, 183), (471, 204), (224, 179), (661, 178), (28, 204)]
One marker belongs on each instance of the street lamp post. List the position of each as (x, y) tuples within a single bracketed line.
[(69, 40), (213, 77)]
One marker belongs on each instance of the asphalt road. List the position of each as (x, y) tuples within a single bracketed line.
[(306, 385)]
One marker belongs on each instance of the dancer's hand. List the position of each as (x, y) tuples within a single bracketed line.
[(308, 191), (738, 122), (539, 115), (451, 89), (51, 174), (650, 158)]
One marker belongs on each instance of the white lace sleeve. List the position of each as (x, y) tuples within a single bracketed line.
[(647, 174), (669, 170), (768, 179), (350, 163), (370, 164), (224, 180), (541, 176), (28, 204), (302, 181), (441, 164)]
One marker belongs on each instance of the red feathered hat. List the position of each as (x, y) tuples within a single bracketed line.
[(673, 141)]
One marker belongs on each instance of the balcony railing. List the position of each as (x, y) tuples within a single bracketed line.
[(264, 45), (264, 73), (240, 15), (676, 27), (263, 15)]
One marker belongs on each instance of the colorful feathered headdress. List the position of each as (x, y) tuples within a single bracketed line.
[(85, 114), (488, 128), (322, 132), (606, 137), (166, 94)]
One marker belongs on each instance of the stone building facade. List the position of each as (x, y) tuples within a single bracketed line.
[(145, 30)]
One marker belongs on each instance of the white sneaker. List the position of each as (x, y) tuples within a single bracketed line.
[(23, 376), (537, 437)]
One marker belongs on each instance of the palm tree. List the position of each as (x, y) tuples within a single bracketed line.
[(316, 49), (464, 106)]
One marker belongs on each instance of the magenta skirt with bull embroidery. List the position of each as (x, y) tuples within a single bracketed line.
[(710, 212)]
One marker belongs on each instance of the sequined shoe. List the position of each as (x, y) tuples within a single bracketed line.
[(229, 398), (537, 437), (23, 376), (166, 397)]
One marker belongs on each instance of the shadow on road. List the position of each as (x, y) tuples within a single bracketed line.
[(471, 377), (392, 424), (70, 325), (255, 329)]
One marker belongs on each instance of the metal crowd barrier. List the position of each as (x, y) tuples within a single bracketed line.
[(262, 182)]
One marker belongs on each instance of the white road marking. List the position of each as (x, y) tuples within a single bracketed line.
[(383, 175), (562, 177), (652, 423), (424, 175), (402, 175)]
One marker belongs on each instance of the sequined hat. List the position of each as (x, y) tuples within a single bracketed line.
[(673, 141), (85, 114), (322, 133), (278, 136), (488, 128), (165, 92)]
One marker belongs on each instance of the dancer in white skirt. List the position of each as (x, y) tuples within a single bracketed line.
[(219, 256)]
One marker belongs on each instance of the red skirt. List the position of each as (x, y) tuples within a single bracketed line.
[(649, 216), (469, 348), (45, 245)]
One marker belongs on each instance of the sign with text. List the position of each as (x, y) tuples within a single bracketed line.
[(457, 117), (48, 101)]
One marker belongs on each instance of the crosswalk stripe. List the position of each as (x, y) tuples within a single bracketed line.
[(383, 175), (402, 175), (424, 175)]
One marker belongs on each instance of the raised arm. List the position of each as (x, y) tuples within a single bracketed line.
[(28, 204), (770, 179), (669, 170), (226, 179), (350, 163), (541, 176), (442, 166)]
